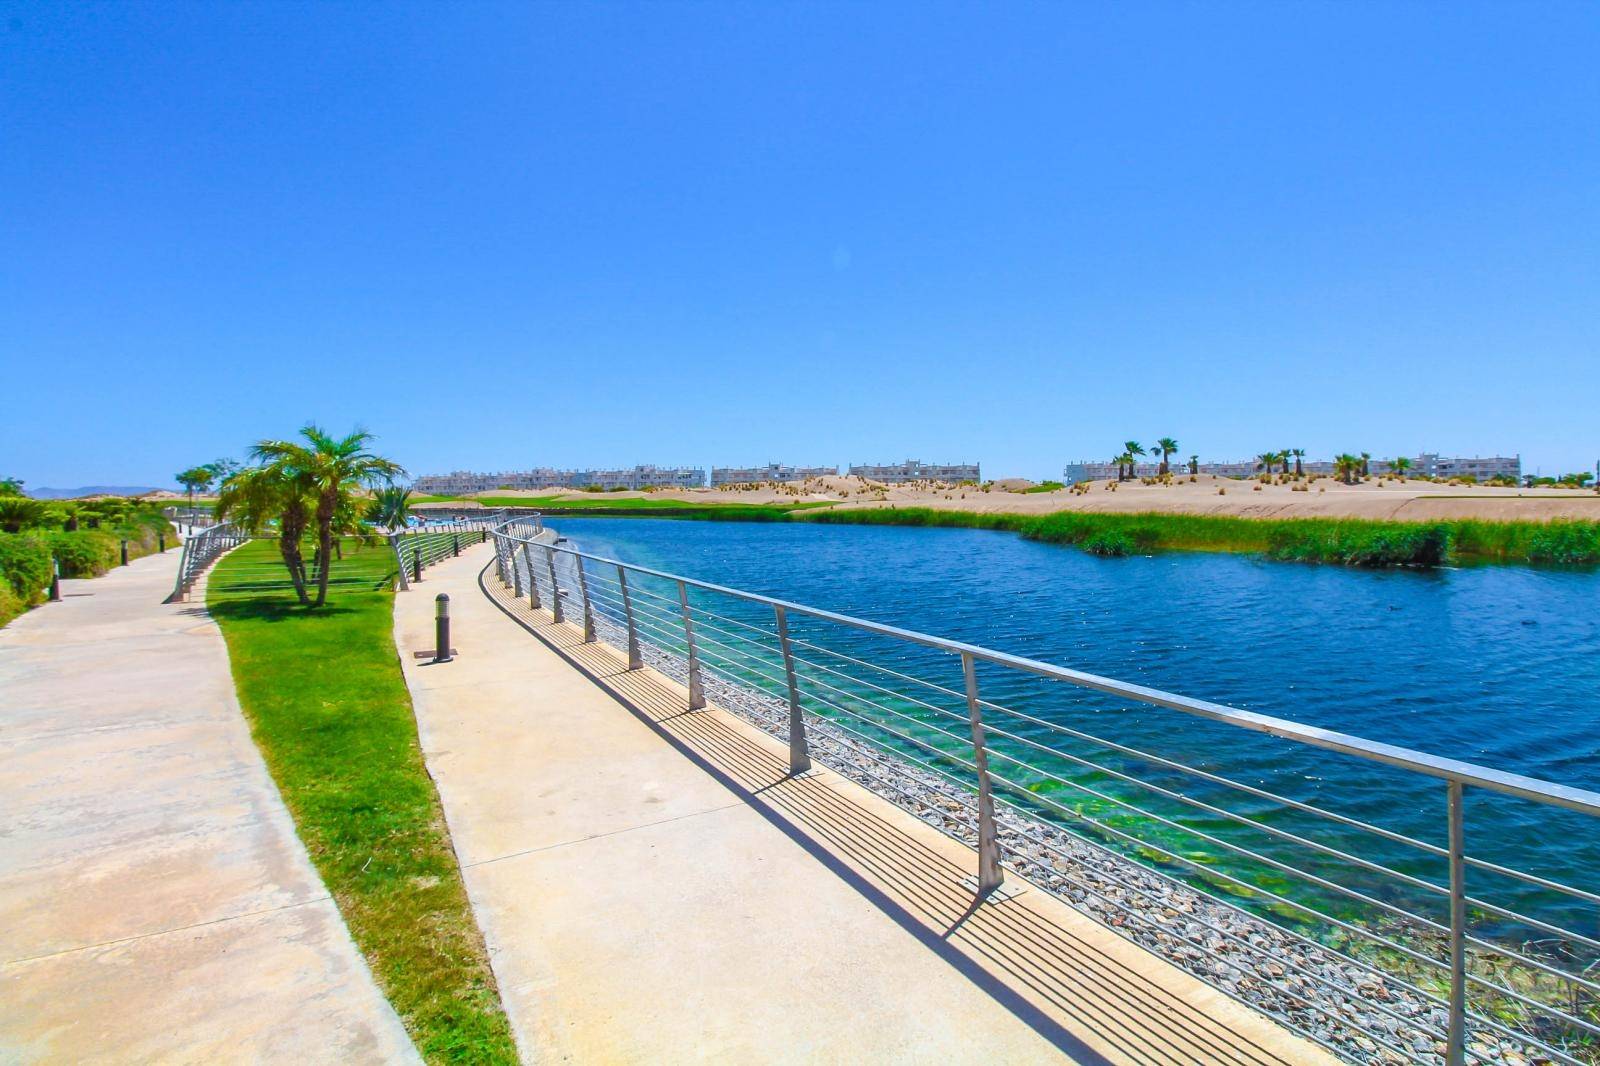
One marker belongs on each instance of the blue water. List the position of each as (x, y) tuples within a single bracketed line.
[(1492, 665)]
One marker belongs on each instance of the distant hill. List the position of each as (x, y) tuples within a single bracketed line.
[(90, 490)]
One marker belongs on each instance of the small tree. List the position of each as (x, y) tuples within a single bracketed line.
[(390, 507), (1299, 463), (1194, 466), (332, 470), (1167, 447), (10, 486), (1133, 449), (196, 479)]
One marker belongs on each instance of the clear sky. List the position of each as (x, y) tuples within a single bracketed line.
[(593, 234)]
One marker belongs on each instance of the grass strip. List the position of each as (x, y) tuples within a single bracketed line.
[(1344, 541), (330, 711)]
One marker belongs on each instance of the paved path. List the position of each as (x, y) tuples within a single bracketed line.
[(155, 903), (655, 888)]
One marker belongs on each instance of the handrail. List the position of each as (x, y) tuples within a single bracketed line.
[(1406, 758), (687, 642), (200, 550), (430, 543)]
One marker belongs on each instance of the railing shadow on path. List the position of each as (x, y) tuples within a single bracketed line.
[(1030, 964)]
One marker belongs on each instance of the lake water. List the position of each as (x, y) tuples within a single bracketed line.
[(1493, 665)]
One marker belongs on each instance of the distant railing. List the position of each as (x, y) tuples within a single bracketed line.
[(418, 547), (1384, 955), (200, 550)]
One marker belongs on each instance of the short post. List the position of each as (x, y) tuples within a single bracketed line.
[(555, 589), (55, 579), (697, 693), (799, 751), (635, 660), (1456, 1038), (455, 544), (124, 551), (516, 573), (441, 628), (533, 582), (588, 608), (990, 875), (161, 540), (416, 563)]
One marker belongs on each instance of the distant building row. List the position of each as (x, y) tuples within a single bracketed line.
[(913, 470), (461, 482), (1429, 463)]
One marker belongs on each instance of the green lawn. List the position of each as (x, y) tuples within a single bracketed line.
[(331, 714)]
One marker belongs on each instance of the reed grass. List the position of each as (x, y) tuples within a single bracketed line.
[(1343, 541)]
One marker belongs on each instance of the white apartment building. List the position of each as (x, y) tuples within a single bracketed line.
[(745, 475), (1480, 467), (916, 470)]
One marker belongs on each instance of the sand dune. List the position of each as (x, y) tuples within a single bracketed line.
[(1407, 501)]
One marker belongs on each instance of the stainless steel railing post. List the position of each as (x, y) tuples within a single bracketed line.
[(990, 875), (697, 694), (1456, 1040), (555, 589), (799, 751), (588, 608), (533, 583), (635, 660)]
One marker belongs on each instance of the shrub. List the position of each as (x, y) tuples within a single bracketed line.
[(86, 553), (24, 568), (1108, 542), (1566, 542), (10, 604)]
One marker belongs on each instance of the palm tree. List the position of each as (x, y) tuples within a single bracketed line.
[(333, 469), (1266, 461), (196, 479), (1399, 465), (19, 512), (1194, 466), (1366, 464), (390, 507), (1133, 448), (1299, 469), (1166, 446), (1347, 467), (257, 496)]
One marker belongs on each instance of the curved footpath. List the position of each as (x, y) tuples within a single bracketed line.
[(155, 903), (655, 887)]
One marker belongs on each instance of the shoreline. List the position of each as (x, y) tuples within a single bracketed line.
[(1311, 538)]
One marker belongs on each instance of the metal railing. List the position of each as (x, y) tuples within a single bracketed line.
[(417, 548), (1367, 938), (200, 550)]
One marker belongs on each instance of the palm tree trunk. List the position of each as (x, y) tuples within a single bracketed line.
[(325, 557)]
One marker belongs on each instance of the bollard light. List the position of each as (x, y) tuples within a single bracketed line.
[(441, 628), (55, 579), (124, 551)]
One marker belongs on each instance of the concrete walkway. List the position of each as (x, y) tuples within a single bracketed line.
[(654, 887), (155, 903)]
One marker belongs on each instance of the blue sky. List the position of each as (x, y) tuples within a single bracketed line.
[(575, 235)]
